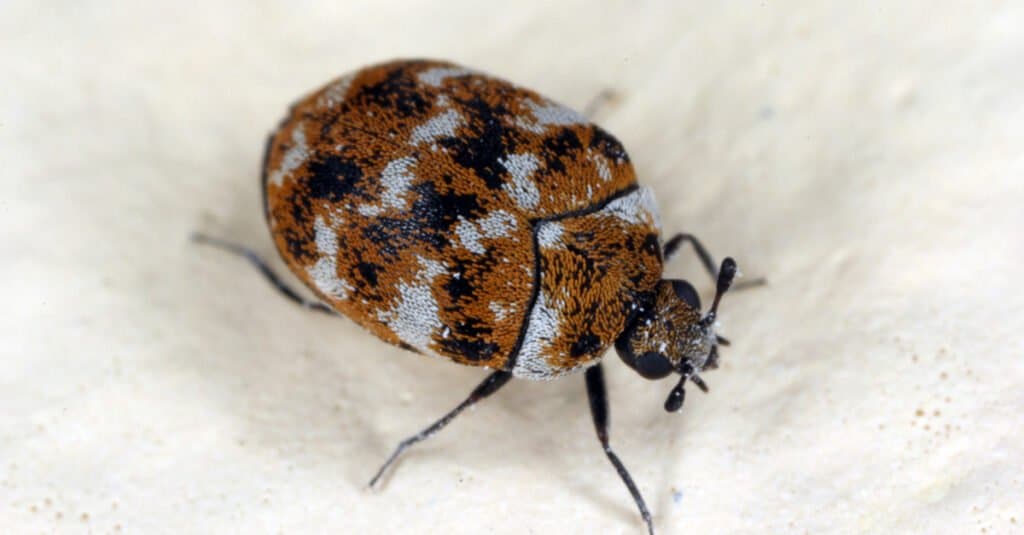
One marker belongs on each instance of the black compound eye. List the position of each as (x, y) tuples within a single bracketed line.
[(653, 365), (685, 291)]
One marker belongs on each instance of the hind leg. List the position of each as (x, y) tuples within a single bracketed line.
[(263, 268)]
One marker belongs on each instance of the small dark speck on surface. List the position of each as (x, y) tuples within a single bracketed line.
[(766, 112), (677, 496)]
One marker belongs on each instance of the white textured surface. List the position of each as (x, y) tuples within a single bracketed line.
[(867, 160)]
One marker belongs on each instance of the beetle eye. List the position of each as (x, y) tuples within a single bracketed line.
[(653, 365), (685, 291)]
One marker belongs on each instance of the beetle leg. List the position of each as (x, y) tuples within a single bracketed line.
[(261, 265), (598, 102), (489, 386), (599, 410), (673, 244)]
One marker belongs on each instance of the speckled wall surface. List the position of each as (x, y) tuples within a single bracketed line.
[(865, 159)]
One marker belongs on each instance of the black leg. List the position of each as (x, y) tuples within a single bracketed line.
[(672, 246), (599, 410), (271, 277), (490, 385), (597, 103)]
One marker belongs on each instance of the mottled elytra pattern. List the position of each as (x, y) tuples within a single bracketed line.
[(458, 215)]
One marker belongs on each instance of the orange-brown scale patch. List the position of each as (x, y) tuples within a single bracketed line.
[(595, 271)]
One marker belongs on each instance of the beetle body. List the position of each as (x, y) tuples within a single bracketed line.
[(456, 214)]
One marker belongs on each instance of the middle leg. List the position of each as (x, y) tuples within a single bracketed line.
[(489, 386), (599, 410)]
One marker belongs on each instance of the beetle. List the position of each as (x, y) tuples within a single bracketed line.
[(455, 214)]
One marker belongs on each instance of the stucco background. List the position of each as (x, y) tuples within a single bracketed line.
[(865, 157)]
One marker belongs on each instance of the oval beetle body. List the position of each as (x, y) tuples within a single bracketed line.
[(458, 215)]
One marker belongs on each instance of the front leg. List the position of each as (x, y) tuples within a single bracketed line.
[(599, 410), (673, 244)]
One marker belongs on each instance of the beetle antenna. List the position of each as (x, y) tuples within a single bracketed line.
[(676, 396), (699, 382), (725, 276), (712, 362), (675, 399)]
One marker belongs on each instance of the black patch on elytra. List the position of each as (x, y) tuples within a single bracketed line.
[(333, 178), (469, 348), (301, 208), (296, 235), (296, 243), (458, 288), (565, 142), (608, 145), (467, 338), (368, 271), (585, 345), (468, 273), (439, 211), (398, 90), (392, 235), (588, 259), (428, 221), (481, 150), (651, 245)]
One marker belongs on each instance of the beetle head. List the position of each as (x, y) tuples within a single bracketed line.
[(670, 335)]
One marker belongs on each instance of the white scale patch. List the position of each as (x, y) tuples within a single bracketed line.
[(522, 188), (549, 113), (435, 77), (293, 157), (469, 236), (601, 163), (396, 179), (498, 224), (550, 234), (543, 328), (325, 272), (370, 210), (443, 125), (636, 208), (414, 318), (335, 93), (501, 310)]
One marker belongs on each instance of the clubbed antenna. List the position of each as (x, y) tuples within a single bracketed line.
[(676, 396), (675, 399), (725, 276)]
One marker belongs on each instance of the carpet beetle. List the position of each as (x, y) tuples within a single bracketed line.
[(455, 214)]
